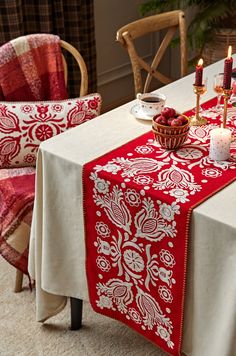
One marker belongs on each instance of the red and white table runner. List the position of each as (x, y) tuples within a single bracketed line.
[(138, 201)]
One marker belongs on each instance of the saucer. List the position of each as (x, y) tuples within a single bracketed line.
[(139, 114)]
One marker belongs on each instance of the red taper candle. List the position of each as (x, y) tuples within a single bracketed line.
[(199, 72), (228, 70)]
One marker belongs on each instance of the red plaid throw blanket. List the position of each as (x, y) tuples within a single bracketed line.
[(31, 68), (138, 201), (16, 203)]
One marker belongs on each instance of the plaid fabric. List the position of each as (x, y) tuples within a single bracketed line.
[(31, 69), (71, 20), (16, 204)]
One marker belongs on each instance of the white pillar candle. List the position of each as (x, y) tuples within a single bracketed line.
[(220, 140)]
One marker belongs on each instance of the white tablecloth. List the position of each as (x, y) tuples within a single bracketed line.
[(57, 251)]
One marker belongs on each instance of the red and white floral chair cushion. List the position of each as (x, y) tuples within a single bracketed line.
[(24, 125)]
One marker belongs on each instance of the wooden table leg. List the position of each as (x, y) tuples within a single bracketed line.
[(18, 281), (76, 308)]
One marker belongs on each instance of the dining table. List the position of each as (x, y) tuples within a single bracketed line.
[(57, 251)]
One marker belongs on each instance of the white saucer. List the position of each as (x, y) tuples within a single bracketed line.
[(139, 114)]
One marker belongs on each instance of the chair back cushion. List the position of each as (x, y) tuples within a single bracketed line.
[(24, 125)]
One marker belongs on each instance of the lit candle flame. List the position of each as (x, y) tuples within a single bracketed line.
[(200, 62), (229, 51)]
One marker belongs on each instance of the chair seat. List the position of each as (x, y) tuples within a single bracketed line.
[(17, 187)]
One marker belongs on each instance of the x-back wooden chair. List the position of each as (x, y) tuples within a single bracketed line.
[(172, 22)]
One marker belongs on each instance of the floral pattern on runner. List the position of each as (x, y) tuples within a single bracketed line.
[(138, 201)]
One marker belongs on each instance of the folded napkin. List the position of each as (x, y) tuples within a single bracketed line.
[(31, 68)]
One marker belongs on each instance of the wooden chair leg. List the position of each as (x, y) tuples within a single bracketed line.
[(18, 281), (76, 308)]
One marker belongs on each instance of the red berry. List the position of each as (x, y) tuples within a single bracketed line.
[(183, 119), (172, 112), (161, 120), (169, 121), (168, 112), (156, 117), (176, 122)]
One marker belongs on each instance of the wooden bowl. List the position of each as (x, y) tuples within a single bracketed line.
[(170, 142), (171, 130), (170, 137)]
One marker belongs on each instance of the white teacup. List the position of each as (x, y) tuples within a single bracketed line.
[(151, 103)]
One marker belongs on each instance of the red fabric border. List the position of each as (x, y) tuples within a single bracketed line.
[(92, 214)]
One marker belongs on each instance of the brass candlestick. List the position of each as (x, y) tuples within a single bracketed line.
[(226, 94), (198, 120)]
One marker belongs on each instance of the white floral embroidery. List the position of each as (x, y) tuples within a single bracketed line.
[(109, 167), (165, 276), (165, 335), (151, 267), (135, 316), (168, 211), (118, 291), (140, 266), (211, 114), (104, 302), (151, 311), (132, 197), (102, 229), (223, 164), (189, 153), (103, 264), (134, 260), (180, 195), (102, 246), (100, 185), (132, 167), (174, 177), (115, 208), (165, 294), (152, 226), (144, 149), (212, 172), (167, 258), (143, 180), (126, 255), (200, 133)]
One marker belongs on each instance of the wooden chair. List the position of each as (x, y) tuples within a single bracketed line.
[(170, 21), (83, 91), (82, 66)]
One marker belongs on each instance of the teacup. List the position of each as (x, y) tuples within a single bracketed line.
[(151, 103)]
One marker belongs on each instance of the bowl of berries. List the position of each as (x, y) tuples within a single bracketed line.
[(170, 128)]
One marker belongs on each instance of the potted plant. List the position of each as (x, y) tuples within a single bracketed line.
[(211, 29)]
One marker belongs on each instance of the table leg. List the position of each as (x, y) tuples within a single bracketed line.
[(76, 308)]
